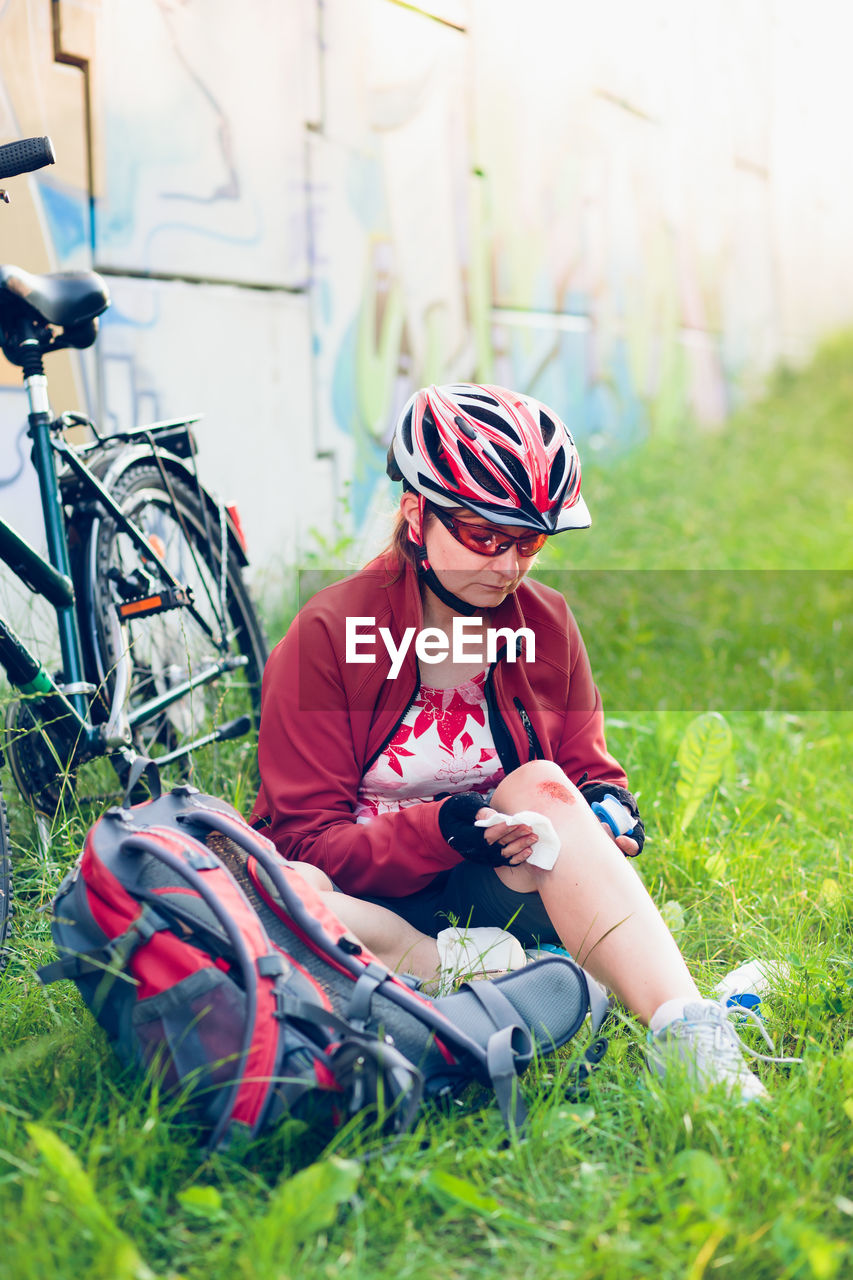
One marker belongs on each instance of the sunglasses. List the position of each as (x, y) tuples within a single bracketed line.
[(485, 540)]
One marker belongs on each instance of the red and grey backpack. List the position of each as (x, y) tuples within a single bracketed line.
[(210, 962)]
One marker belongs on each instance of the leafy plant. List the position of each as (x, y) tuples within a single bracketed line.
[(117, 1256), (701, 758), (299, 1208)]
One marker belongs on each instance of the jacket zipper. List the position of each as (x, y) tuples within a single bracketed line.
[(504, 744), (536, 752), (402, 717)]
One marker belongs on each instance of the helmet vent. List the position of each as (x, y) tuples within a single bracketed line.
[(493, 420), (472, 395), (479, 472), (435, 452), (558, 466), (391, 467), (516, 469), (548, 427), (406, 433)]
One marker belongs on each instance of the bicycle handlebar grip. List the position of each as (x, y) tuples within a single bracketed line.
[(25, 155)]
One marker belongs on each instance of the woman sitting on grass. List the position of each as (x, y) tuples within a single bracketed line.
[(378, 758)]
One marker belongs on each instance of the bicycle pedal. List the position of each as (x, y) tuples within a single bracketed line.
[(169, 598)]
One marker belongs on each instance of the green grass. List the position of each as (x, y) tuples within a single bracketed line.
[(633, 1181)]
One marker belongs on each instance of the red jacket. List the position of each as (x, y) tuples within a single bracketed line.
[(324, 721)]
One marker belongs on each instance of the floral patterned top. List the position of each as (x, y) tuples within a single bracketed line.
[(443, 744)]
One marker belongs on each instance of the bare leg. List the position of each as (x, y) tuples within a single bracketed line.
[(391, 938), (594, 897)]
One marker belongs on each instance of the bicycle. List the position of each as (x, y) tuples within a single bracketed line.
[(161, 650)]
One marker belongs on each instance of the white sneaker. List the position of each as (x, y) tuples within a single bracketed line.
[(707, 1045), (476, 953)]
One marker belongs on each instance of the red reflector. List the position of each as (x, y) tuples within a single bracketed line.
[(238, 525)]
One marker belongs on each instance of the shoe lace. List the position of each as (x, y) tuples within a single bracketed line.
[(744, 1014), (717, 1036)]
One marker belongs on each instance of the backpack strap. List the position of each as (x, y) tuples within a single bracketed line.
[(313, 930), (503, 1072), (505, 1046), (368, 981), (112, 957), (502, 1014), (370, 1071), (140, 765), (376, 1076)]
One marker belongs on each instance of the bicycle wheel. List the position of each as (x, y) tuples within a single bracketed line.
[(5, 884), (172, 647)]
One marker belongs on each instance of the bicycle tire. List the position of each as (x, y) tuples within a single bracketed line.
[(5, 884), (168, 647)]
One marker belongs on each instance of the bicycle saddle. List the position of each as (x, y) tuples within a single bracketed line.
[(65, 298)]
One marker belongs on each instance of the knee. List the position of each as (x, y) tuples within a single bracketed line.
[(312, 875), (534, 785)]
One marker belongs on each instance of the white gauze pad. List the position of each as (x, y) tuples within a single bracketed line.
[(547, 846)]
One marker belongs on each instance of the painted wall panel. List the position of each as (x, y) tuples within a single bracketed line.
[(44, 228), (242, 358), (391, 231), (453, 12), (813, 193), (202, 116)]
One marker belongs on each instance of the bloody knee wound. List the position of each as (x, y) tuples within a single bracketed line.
[(556, 791)]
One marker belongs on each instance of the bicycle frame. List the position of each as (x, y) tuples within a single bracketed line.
[(52, 579)]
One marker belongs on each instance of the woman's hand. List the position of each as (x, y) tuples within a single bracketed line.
[(516, 842), (502, 845), (629, 847), (598, 794)]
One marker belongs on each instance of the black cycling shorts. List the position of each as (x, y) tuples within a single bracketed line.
[(473, 895)]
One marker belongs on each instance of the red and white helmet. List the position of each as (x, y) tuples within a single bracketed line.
[(503, 455)]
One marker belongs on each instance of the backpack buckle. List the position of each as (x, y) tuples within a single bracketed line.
[(275, 966), (199, 858), (139, 931), (271, 966)]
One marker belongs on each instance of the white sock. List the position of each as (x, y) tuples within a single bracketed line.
[(669, 1012)]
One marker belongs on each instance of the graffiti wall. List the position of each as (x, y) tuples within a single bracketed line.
[(303, 210)]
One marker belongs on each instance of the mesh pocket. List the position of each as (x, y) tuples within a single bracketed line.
[(192, 1035)]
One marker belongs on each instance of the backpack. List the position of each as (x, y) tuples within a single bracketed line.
[(210, 962)]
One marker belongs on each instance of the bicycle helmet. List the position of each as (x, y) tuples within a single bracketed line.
[(502, 455)]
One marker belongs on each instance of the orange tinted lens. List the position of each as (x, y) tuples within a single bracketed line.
[(476, 537), (530, 546), (493, 542)]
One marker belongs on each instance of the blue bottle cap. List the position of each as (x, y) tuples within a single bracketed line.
[(744, 999)]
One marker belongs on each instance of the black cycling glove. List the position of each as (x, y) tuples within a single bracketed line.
[(592, 791), (456, 823)]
